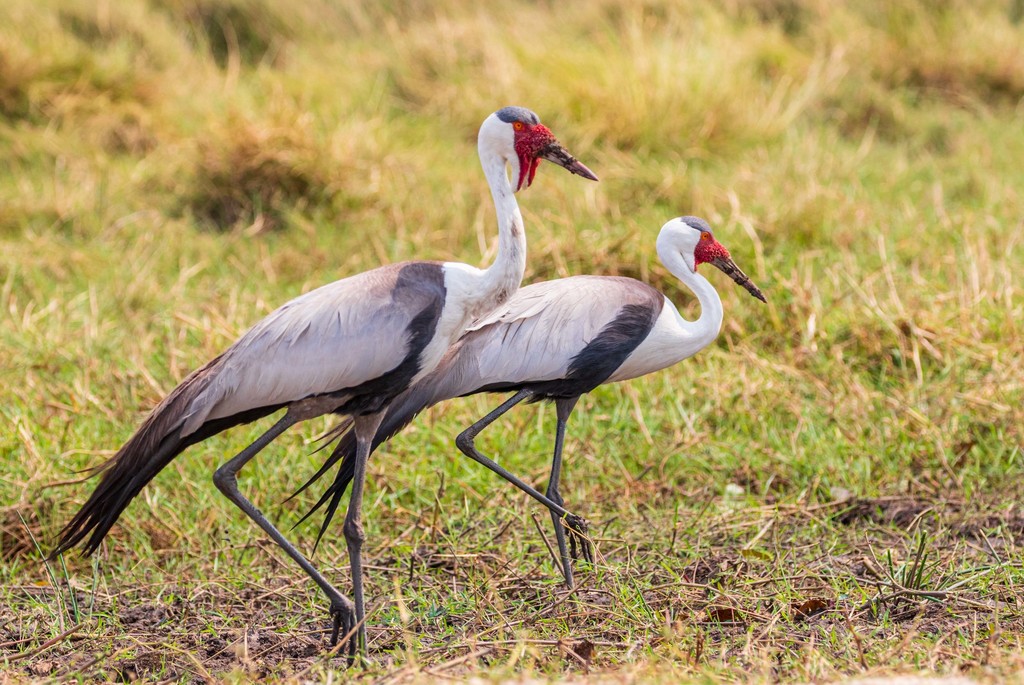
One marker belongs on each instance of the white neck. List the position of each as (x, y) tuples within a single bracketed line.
[(502, 278), (673, 338), (704, 330), (471, 292)]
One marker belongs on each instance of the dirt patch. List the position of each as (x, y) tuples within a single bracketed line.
[(145, 616), (702, 570), (146, 664), (987, 528), (902, 512), (758, 578)]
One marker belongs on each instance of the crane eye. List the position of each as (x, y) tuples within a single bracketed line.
[(705, 236), (517, 125)]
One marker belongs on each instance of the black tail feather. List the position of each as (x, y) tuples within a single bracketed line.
[(454, 376), (346, 472), (345, 435), (399, 415), (157, 442), (122, 480)]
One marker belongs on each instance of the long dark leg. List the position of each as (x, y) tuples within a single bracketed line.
[(365, 429), (225, 478), (465, 443), (563, 408)]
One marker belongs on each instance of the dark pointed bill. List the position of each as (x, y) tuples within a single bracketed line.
[(727, 266), (554, 152)]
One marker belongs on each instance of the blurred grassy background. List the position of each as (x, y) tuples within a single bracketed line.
[(172, 170)]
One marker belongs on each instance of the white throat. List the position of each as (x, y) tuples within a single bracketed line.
[(502, 278), (673, 338), (705, 328)]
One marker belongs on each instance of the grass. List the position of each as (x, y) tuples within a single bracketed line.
[(829, 490)]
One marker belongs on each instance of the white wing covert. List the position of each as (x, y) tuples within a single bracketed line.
[(329, 339), (536, 335)]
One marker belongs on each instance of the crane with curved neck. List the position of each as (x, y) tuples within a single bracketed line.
[(512, 140), (558, 340)]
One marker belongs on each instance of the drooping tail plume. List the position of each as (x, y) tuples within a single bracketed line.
[(399, 414), (157, 442), (456, 375)]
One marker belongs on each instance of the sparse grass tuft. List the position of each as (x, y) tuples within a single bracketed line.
[(246, 32), (251, 172)]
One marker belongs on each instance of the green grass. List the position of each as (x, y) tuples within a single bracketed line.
[(172, 171)]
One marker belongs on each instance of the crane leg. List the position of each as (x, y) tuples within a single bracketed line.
[(225, 478), (365, 429), (563, 408), (465, 444)]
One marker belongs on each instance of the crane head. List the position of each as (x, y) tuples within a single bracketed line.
[(524, 142), (705, 249)]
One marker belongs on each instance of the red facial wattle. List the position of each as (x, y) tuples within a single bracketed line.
[(533, 171), (530, 141), (708, 250)]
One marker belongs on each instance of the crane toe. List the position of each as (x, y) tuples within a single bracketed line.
[(579, 541), (343, 618)]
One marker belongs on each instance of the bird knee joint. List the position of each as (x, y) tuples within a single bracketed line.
[(354, 532), (224, 480), (464, 441)]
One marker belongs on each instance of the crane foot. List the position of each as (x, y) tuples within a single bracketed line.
[(343, 616), (578, 528)]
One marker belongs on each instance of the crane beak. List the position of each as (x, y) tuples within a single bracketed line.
[(554, 152), (727, 266)]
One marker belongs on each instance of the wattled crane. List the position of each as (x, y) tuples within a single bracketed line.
[(558, 340)]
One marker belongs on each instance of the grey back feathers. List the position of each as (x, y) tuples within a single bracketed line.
[(570, 328), (376, 324), (371, 323)]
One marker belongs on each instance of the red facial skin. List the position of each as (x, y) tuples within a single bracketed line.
[(529, 142), (708, 250)]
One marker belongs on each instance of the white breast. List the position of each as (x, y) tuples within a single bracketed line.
[(668, 343)]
